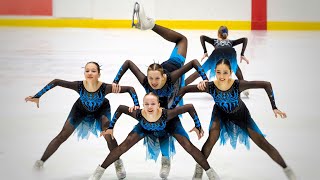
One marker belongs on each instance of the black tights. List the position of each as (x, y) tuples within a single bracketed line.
[(65, 133), (133, 138), (258, 139), (173, 36)]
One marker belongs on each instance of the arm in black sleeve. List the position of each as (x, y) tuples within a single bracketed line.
[(134, 69), (243, 85), (183, 91), (192, 64), (132, 93), (121, 109), (244, 42), (125, 89), (57, 82), (183, 109), (204, 39)]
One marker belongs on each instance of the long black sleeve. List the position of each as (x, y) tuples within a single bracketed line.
[(121, 109), (192, 64), (244, 42), (57, 82), (125, 89), (204, 39), (243, 85), (183, 91), (183, 109), (134, 69)]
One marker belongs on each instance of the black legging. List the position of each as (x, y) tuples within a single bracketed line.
[(257, 138), (65, 133), (133, 138), (173, 36)]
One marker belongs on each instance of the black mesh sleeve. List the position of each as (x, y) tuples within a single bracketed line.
[(244, 42), (243, 85), (204, 39), (192, 64), (183, 109), (134, 69), (183, 91), (57, 82), (121, 109)]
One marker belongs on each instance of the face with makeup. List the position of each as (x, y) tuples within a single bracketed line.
[(155, 79), (223, 71), (151, 104), (92, 72)]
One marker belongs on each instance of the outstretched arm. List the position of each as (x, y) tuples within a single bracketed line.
[(134, 69), (204, 39), (244, 42), (125, 89), (121, 109), (190, 109), (192, 64), (183, 91), (243, 85), (56, 82)]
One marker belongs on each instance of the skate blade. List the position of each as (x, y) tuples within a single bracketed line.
[(135, 12)]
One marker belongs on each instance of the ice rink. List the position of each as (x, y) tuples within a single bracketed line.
[(32, 57)]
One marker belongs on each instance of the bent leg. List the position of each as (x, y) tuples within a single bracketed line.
[(214, 134), (173, 36), (193, 151), (131, 140), (112, 143)]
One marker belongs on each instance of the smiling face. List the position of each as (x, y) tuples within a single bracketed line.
[(223, 71), (151, 104), (155, 79), (91, 72)]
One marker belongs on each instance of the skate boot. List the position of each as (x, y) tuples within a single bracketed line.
[(165, 167), (212, 175), (121, 172), (97, 173), (289, 173), (38, 165), (198, 172), (143, 22)]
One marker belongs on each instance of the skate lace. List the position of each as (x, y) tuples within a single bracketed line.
[(165, 163), (38, 164), (198, 172), (118, 166), (289, 173)]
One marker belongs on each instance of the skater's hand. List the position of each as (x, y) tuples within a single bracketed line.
[(281, 114), (131, 109), (204, 56), (244, 58), (202, 85), (116, 88), (32, 99), (200, 132), (107, 131)]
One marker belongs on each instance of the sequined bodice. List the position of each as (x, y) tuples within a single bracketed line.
[(222, 43)]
